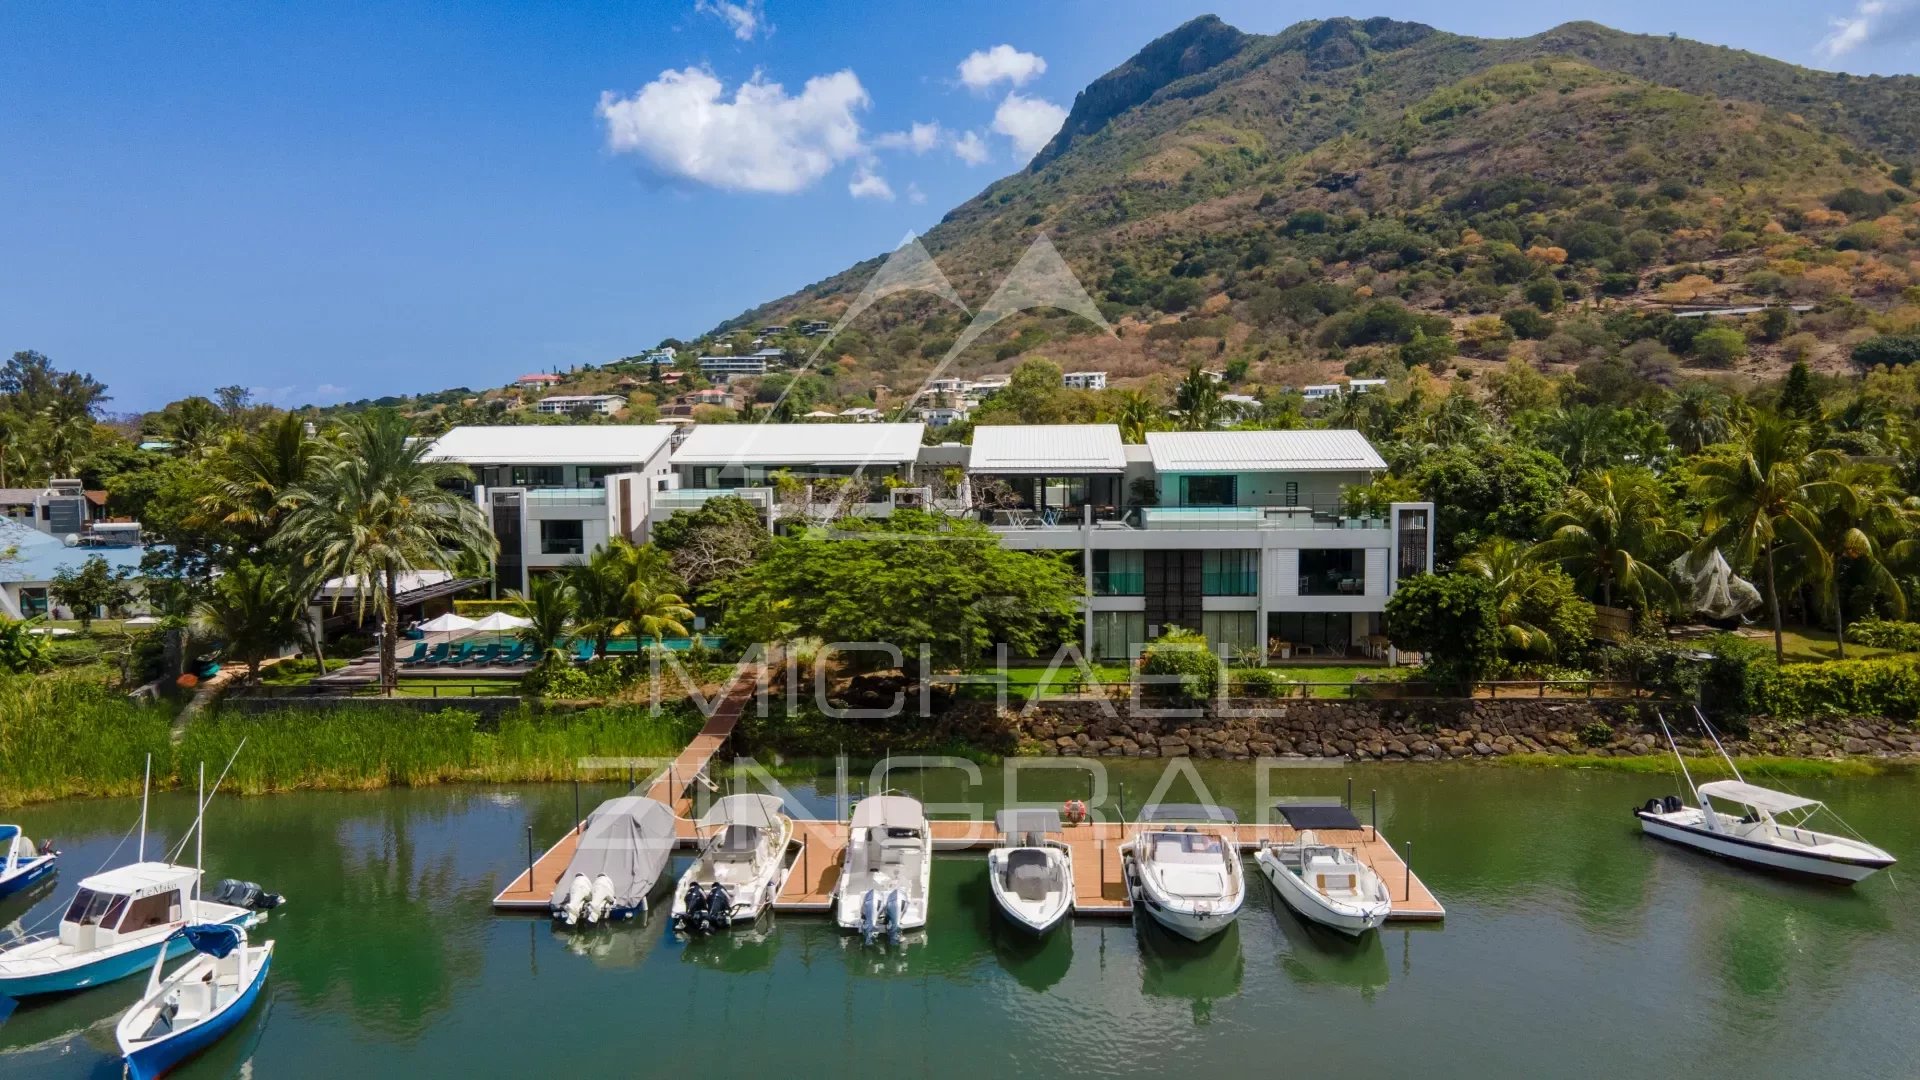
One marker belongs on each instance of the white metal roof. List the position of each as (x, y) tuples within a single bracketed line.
[(1072, 448), (1261, 451), (800, 444), (550, 444), (1773, 802)]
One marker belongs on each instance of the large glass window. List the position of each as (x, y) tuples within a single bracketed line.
[(1232, 634), (89, 907), (1118, 635), (1209, 490), (150, 911), (563, 537), (1232, 572), (1118, 573), (1340, 572)]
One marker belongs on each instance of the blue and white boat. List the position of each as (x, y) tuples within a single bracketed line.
[(119, 923), (21, 864), (186, 1012)]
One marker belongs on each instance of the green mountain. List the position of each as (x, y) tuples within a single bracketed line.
[(1262, 185)]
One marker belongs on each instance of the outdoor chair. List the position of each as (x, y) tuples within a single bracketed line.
[(484, 655), (419, 654), (460, 655), (434, 657)]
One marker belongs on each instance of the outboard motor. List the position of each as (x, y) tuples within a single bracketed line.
[(1653, 806), (246, 894), (695, 906), (601, 905), (579, 891), (1673, 804), (719, 907), (896, 904), (869, 916)]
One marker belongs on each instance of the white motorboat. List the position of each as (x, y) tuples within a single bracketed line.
[(743, 864), (1772, 833), (119, 921), (186, 1012), (1031, 873), (887, 871), (624, 847), (1326, 884), (1184, 870), (21, 863)]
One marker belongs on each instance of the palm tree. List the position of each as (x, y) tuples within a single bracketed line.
[(649, 603), (253, 610), (1518, 582), (1613, 522), (1198, 399), (548, 604), (1698, 418), (653, 612), (375, 507), (597, 589), (253, 474), (1759, 498), (1136, 415), (1856, 509)]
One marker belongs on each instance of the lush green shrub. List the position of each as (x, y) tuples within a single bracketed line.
[(1182, 656), (1453, 621), (1887, 687), (1885, 634), (1263, 683), (1527, 323), (1719, 346), (21, 651), (1892, 350)]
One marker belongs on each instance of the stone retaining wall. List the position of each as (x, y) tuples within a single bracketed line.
[(1409, 731)]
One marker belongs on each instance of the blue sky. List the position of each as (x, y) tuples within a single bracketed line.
[(329, 202)]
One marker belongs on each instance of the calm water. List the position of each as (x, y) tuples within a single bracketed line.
[(1572, 947)]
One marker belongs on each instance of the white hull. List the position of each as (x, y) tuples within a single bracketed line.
[(1352, 920), (1195, 897), (1036, 916), (751, 896), (1682, 827), (1192, 925)]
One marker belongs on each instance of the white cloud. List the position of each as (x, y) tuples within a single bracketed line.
[(915, 195), (761, 139), (867, 184), (745, 19), (1871, 23), (1029, 122), (971, 148), (1002, 63), (918, 138)]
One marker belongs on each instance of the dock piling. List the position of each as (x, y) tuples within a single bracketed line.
[(529, 859), (576, 813), (1406, 889), (1349, 792), (1373, 804)]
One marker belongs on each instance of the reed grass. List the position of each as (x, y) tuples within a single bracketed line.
[(67, 734), (1704, 767), (372, 747)]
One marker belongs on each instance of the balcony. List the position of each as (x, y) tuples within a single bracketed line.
[(1119, 583), (666, 502), (589, 498), (1288, 518)]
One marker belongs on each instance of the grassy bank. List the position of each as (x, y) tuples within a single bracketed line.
[(63, 737), (66, 733), (1756, 768)]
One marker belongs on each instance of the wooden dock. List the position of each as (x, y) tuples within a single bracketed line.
[(1098, 877)]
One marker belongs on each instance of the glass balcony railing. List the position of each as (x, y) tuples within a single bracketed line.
[(1229, 583), (1251, 517), (1119, 583)]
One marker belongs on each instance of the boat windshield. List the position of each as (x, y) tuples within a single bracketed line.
[(1185, 846), (90, 908)]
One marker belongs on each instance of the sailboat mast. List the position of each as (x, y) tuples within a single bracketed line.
[(146, 781)]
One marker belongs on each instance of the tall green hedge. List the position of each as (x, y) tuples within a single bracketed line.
[(1886, 687)]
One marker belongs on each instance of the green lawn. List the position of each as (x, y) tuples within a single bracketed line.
[(1807, 645), (1327, 680), (455, 689)]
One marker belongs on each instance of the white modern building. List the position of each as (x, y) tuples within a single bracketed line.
[(1084, 380), (733, 367), (553, 494), (565, 404)]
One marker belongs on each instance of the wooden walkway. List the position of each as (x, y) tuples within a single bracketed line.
[(533, 888)]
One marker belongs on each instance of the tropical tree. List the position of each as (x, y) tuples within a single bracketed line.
[(1758, 498), (598, 593), (1540, 617), (375, 507), (95, 585), (1699, 417), (1607, 531), (1198, 400), (1136, 414), (1864, 525), (253, 610), (252, 475), (549, 606)]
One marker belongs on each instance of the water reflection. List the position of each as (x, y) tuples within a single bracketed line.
[(1316, 956), (1038, 963), (1199, 972), (744, 948)]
